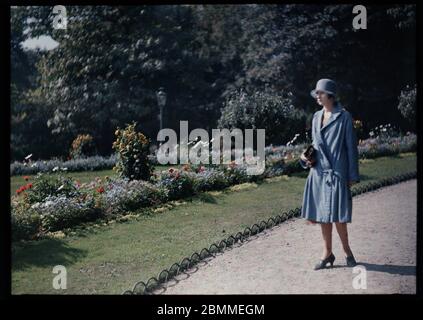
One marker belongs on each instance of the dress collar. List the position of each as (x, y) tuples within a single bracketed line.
[(336, 111)]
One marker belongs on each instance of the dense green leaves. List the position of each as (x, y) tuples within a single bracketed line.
[(111, 61)]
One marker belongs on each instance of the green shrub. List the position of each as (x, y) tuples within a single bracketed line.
[(407, 103), (123, 195), (132, 148), (59, 212), (263, 109), (211, 179), (44, 186), (25, 223), (178, 184), (82, 146)]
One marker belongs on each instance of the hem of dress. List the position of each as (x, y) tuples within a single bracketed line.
[(320, 221)]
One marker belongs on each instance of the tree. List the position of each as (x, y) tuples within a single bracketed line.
[(94, 92)]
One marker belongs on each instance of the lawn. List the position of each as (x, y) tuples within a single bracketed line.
[(110, 259)]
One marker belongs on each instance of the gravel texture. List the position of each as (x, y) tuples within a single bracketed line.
[(280, 261)]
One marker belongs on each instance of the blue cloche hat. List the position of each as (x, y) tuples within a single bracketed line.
[(325, 85)]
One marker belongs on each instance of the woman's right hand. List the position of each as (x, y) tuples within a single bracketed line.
[(307, 162)]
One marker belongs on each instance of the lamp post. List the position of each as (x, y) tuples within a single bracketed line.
[(161, 101)]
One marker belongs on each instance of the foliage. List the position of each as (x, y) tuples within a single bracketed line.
[(25, 223), (132, 147), (407, 103), (59, 212), (44, 186), (82, 164), (124, 195), (257, 110), (55, 203), (178, 184), (82, 146)]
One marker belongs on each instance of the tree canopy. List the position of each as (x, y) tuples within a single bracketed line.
[(111, 60)]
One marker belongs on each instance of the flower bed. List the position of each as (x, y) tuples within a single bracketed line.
[(49, 204), (56, 165), (373, 147)]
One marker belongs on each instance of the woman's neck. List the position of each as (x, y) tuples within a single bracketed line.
[(329, 107)]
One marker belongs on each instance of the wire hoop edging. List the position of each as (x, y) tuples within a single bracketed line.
[(153, 282)]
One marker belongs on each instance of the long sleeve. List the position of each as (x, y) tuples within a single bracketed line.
[(302, 163), (352, 150)]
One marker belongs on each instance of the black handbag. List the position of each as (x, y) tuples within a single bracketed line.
[(310, 154)]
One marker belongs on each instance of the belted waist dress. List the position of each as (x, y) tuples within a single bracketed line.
[(327, 197)]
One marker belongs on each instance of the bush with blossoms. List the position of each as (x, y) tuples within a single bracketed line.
[(133, 149), (82, 146)]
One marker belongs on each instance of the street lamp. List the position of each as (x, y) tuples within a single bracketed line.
[(161, 101)]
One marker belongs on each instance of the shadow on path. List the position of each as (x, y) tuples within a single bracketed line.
[(391, 269)]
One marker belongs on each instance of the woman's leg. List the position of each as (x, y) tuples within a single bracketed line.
[(343, 235), (327, 239)]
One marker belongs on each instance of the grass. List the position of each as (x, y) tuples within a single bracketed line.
[(110, 259)]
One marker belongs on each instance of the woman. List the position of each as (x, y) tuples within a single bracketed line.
[(327, 195)]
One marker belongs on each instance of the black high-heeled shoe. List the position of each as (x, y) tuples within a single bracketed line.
[(351, 261), (322, 264)]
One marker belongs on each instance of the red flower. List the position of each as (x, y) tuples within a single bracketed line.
[(100, 190), (29, 185), (26, 178), (23, 188)]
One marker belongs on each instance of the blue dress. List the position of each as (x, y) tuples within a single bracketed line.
[(327, 197)]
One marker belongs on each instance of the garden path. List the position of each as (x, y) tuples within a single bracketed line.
[(280, 260)]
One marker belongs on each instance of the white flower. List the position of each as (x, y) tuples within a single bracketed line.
[(55, 169), (48, 203), (28, 156), (64, 169), (36, 205), (61, 187), (371, 133)]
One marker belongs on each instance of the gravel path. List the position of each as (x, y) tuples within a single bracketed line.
[(280, 261)]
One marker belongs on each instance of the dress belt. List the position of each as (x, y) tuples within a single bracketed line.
[(330, 174)]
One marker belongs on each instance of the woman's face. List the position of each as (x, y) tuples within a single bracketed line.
[(322, 98)]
